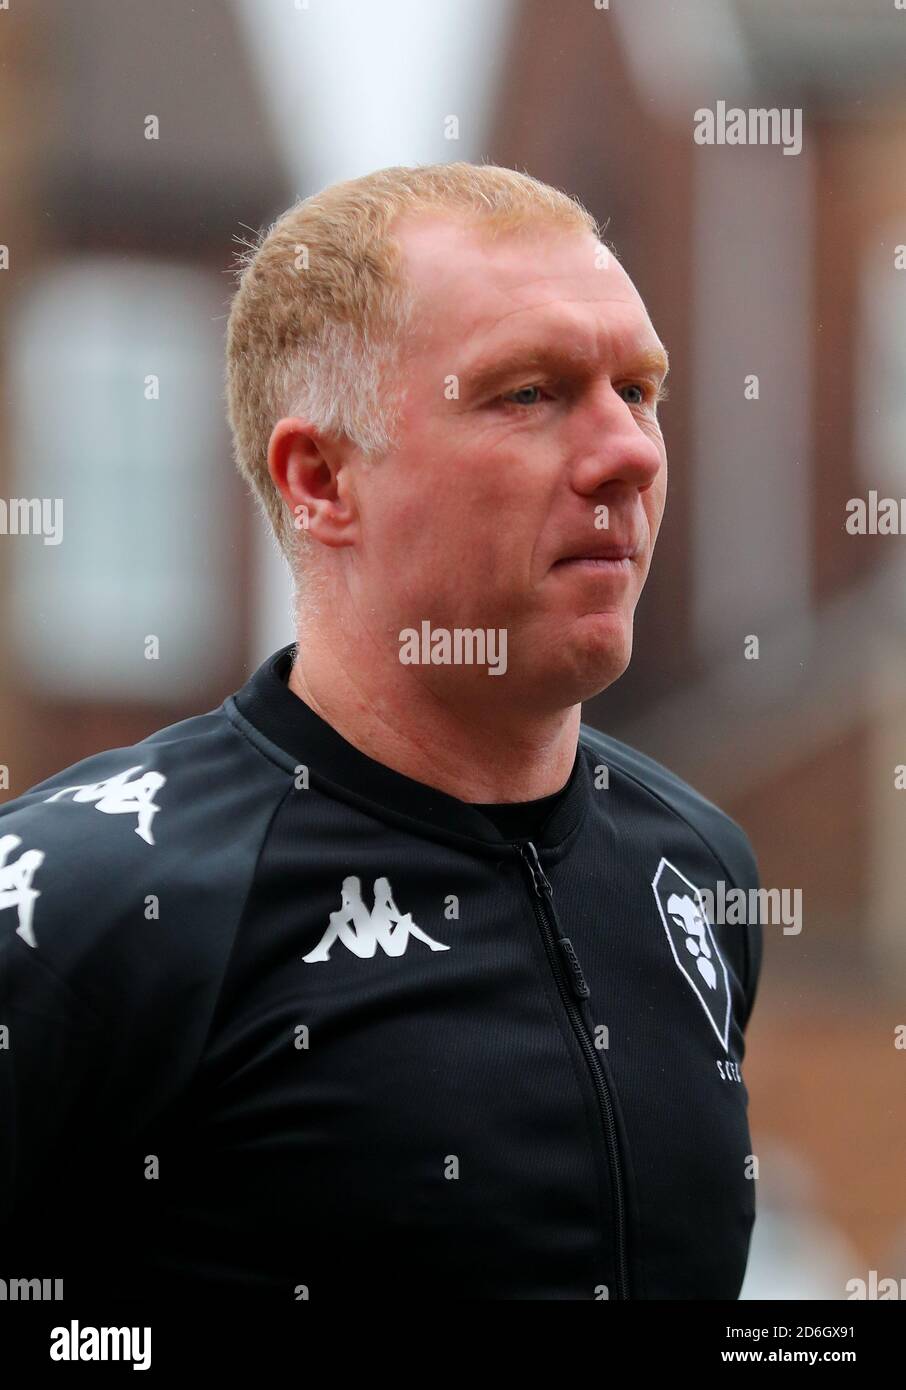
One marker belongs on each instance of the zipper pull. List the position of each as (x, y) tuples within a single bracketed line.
[(540, 880), (576, 978), (542, 886)]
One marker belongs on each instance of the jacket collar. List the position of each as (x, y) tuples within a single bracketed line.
[(277, 713)]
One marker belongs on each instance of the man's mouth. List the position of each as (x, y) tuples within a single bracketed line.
[(612, 559)]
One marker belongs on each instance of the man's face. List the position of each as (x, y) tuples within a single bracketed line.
[(503, 505)]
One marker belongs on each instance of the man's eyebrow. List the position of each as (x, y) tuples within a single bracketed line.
[(483, 375), (655, 360)]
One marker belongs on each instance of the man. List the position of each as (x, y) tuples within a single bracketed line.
[(389, 978)]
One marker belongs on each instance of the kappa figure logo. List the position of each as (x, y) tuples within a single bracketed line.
[(16, 884), (117, 796), (363, 931), (692, 944)]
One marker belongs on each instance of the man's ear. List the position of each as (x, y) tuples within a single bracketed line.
[(307, 470)]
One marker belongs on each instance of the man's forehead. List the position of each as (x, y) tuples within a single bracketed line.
[(543, 280), (545, 334), (440, 253)]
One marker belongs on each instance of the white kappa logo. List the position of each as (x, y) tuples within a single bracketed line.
[(363, 931), (118, 796), (16, 884), (692, 944)]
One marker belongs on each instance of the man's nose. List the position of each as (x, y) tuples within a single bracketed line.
[(616, 441)]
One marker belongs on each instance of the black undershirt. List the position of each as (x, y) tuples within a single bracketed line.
[(520, 820)]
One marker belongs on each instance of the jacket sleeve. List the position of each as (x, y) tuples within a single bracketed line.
[(122, 886), (51, 1051), (70, 1011)]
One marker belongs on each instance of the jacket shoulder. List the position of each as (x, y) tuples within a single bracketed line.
[(167, 830), (724, 836), (123, 880)]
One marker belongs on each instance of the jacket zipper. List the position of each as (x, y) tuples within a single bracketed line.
[(571, 981)]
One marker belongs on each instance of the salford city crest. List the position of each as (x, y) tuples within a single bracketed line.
[(693, 946)]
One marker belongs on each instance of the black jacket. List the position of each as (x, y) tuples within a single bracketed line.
[(284, 1021)]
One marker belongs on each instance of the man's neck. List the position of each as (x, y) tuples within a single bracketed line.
[(403, 725)]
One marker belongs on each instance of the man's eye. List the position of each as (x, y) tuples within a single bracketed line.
[(525, 396), (523, 392), (653, 394)]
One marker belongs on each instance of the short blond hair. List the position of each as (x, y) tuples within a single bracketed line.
[(320, 318)]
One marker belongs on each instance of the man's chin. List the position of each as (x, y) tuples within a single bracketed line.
[(597, 676), (589, 658)]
